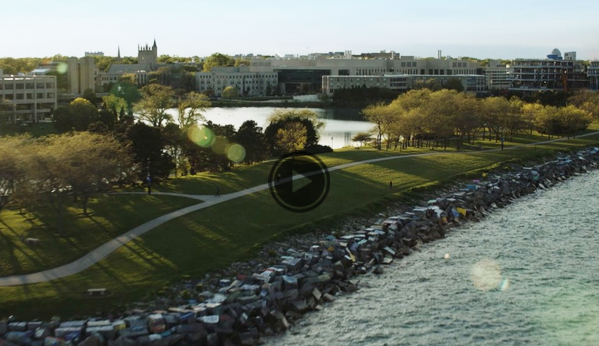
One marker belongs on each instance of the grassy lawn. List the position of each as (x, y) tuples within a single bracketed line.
[(109, 216), (211, 238)]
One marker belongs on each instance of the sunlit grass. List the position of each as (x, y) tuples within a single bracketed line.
[(109, 216)]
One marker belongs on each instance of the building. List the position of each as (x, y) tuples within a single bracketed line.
[(82, 74), (247, 83), (593, 75), (94, 53), (499, 76), (471, 82), (305, 75), (147, 61), (554, 73), (31, 97)]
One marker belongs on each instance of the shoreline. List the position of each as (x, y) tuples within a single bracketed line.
[(266, 296)]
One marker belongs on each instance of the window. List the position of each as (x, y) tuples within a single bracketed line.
[(40, 95)]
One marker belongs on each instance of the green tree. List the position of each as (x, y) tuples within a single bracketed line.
[(149, 152), (127, 91), (279, 118), (77, 116), (116, 105), (90, 95), (241, 62), (380, 115), (251, 138), (362, 137), (156, 100), (292, 137), (13, 168), (217, 60), (191, 109), (230, 92), (454, 84)]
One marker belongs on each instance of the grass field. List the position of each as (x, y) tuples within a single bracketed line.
[(211, 238)]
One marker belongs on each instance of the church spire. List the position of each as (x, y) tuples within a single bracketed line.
[(119, 54), (154, 46)]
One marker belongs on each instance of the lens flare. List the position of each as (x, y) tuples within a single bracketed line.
[(504, 285), (236, 152), (220, 145), (201, 136), (62, 68), (447, 256), (486, 275)]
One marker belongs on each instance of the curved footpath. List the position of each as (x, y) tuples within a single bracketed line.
[(107, 248)]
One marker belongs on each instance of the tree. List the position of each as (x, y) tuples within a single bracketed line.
[(574, 120), (77, 116), (90, 95), (128, 78), (292, 137), (251, 138), (90, 163), (149, 151), (279, 118), (56, 169), (362, 137), (191, 108), (217, 60), (242, 62), (5, 112), (230, 92), (127, 91), (173, 138), (114, 104), (454, 84), (156, 100), (13, 168), (379, 115), (430, 84)]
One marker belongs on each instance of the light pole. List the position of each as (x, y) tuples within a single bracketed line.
[(148, 177)]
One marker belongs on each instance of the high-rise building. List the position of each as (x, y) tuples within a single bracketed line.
[(82, 74)]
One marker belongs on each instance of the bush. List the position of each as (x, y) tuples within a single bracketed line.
[(319, 149)]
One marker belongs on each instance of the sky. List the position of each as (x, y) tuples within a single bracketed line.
[(507, 29)]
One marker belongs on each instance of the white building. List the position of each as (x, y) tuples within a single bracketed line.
[(247, 83), (499, 76), (31, 97)]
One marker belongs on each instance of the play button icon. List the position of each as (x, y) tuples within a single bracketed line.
[(299, 181)]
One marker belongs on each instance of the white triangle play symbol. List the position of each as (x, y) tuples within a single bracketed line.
[(298, 182)]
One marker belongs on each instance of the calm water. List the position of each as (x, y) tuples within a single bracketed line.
[(341, 124), (527, 275)]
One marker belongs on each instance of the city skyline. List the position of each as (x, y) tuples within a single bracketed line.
[(510, 30)]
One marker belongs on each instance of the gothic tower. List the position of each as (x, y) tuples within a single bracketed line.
[(148, 55)]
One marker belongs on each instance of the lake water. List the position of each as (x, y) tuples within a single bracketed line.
[(341, 124), (527, 275)]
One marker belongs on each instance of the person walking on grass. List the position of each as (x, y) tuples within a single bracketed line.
[(390, 184), (217, 193)]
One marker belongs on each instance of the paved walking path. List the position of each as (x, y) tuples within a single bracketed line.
[(107, 248)]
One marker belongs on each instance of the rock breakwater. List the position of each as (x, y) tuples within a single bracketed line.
[(243, 303)]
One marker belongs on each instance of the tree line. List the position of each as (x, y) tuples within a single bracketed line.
[(423, 117), (48, 172)]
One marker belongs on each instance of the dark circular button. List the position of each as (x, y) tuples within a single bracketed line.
[(299, 181)]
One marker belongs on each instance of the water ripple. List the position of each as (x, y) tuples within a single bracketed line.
[(540, 255)]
